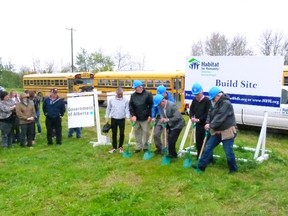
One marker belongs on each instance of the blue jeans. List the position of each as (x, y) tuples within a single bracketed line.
[(37, 121), (212, 142), (6, 133), (77, 130)]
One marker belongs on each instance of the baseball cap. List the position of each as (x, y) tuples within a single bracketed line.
[(53, 90)]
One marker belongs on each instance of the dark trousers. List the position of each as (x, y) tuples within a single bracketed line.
[(15, 131), (56, 124), (157, 134), (172, 139), (27, 132), (200, 134), (115, 123)]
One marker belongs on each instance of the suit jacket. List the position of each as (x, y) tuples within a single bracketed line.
[(171, 112)]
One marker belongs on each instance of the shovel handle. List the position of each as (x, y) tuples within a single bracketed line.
[(151, 134), (130, 135), (203, 145)]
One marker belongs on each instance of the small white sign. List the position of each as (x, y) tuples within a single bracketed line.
[(80, 111)]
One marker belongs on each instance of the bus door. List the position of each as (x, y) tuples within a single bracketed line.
[(177, 90), (70, 85)]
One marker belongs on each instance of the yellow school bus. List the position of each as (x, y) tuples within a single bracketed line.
[(108, 81), (285, 76), (63, 82)]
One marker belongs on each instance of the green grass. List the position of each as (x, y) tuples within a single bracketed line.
[(77, 179)]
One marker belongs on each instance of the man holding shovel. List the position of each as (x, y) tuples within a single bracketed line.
[(222, 125), (140, 106), (156, 118), (173, 120), (198, 114)]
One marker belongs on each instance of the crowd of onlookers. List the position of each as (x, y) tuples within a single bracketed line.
[(19, 114)]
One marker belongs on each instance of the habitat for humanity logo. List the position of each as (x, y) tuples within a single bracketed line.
[(194, 64)]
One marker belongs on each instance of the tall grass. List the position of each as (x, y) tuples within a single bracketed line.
[(77, 179)]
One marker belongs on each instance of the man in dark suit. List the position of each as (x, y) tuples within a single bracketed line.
[(172, 118)]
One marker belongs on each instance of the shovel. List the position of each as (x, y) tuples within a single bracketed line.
[(165, 159), (127, 153), (202, 149), (148, 154), (188, 161)]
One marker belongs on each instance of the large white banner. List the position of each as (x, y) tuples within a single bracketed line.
[(248, 80), (80, 111)]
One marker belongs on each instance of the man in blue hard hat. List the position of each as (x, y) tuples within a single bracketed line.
[(170, 115), (140, 106), (161, 90), (221, 122), (198, 114)]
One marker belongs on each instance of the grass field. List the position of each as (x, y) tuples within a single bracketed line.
[(77, 179)]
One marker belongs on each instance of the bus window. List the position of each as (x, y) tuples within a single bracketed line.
[(143, 82), (158, 83), (57, 82), (284, 96), (166, 83), (78, 81), (285, 80), (114, 83), (149, 84), (65, 83), (107, 82), (61, 83), (101, 82), (177, 84), (52, 82), (31, 82), (121, 82), (128, 83)]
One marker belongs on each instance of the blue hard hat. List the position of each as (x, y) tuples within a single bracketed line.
[(213, 92), (161, 89), (157, 99), (196, 88), (137, 83)]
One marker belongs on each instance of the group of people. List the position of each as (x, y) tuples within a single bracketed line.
[(21, 114), (142, 110), (18, 116), (212, 116)]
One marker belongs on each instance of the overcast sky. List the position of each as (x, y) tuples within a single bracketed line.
[(161, 30)]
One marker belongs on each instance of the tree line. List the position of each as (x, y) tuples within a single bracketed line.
[(216, 44)]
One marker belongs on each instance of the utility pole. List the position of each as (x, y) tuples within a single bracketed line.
[(72, 62)]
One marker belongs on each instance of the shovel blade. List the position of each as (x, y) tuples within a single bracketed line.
[(147, 155), (126, 155), (166, 160), (187, 163)]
